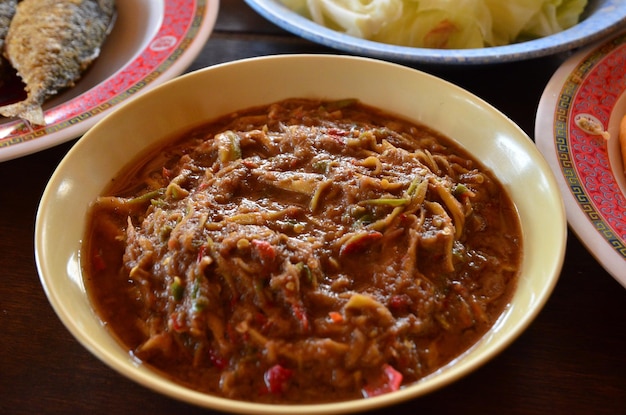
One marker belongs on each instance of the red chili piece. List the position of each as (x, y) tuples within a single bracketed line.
[(389, 381), (167, 174), (218, 361), (201, 252), (265, 251), (300, 313), (277, 378)]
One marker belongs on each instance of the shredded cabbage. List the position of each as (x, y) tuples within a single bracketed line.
[(443, 24)]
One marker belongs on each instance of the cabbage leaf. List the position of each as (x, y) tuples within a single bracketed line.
[(554, 16), (443, 24)]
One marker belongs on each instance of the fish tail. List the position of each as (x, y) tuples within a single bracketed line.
[(26, 110)]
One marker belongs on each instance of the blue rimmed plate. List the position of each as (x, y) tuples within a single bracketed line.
[(601, 18)]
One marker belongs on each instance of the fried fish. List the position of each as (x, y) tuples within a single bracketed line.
[(50, 43)]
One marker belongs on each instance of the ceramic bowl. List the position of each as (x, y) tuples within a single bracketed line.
[(601, 18), (202, 96)]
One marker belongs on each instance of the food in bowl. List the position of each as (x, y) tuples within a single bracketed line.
[(304, 251), (443, 24)]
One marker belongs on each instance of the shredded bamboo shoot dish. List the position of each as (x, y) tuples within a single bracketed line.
[(302, 252)]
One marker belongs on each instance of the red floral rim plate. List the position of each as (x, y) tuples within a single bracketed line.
[(152, 41), (577, 131)]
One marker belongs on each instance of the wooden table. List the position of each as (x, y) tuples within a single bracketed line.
[(571, 360)]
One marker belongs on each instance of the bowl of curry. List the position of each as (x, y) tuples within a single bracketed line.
[(325, 241)]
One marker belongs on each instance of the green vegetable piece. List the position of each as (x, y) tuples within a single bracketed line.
[(305, 271), (413, 186), (386, 201), (177, 289), (200, 303), (459, 190), (155, 194)]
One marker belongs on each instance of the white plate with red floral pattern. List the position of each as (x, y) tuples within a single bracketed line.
[(151, 42), (577, 131)]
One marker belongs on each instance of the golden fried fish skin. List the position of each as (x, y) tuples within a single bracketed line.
[(50, 43)]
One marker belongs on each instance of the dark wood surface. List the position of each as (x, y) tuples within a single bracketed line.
[(571, 360)]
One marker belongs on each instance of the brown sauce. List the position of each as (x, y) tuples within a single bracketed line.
[(305, 251), (11, 85)]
